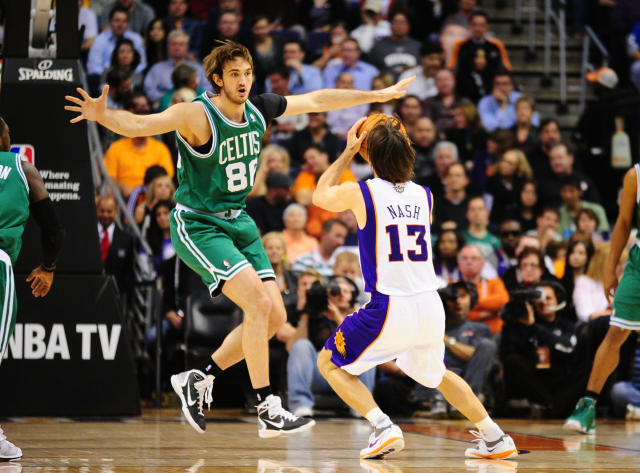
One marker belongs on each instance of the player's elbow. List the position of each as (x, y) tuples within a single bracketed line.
[(316, 198)]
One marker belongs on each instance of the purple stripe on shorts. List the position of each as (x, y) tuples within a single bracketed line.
[(367, 241), (358, 331)]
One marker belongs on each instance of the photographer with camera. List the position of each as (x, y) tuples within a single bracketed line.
[(469, 347), (325, 308), (538, 350)]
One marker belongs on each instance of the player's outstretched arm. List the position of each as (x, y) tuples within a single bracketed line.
[(51, 232), (621, 230), (335, 197), (333, 99), (176, 117)]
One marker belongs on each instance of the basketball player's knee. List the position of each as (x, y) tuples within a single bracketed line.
[(616, 335), (260, 305), (278, 316)]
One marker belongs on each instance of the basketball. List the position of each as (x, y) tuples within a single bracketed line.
[(370, 123)]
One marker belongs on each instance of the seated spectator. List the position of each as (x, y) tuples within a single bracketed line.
[(445, 154), (156, 42), (478, 82), (537, 348), (116, 245), (455, 202), (547, 224), (510, 232), (461, 16), (119, 83), (126, 58), (587, 224), (158, 79), (298, 242), (316, 162), (127, 159), (322, 258), (423, 141), (286, 126), (440, 107), (139, 14), (316, 325), (477, 232), (159, 234), (524, 131), (589, 298), (382, 81), (319, 16), (505, 185), (340, 121), (235, 25), (337, 35), (303, 77), (470, 352), (531, 269), (431, 60), (498, 110), (138, 194), (539, 158), (561, 161), (373, 27), (397, 52), (577, 259), (267, 210), (467, 133), (409, 110), (102, 48), (445, 261), (183, 76), (179, 18), (526, 209), (275, 246), (351, 240), (491, 292), (362, 72), (348, 264), (266, 49), (464, 51), (316, 132), (160, 188), (571, 194), (273, 158)]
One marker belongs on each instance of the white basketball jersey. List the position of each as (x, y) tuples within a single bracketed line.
[(395, 244)]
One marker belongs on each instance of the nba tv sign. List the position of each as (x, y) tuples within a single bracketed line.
[(26, 151), (45, 72)]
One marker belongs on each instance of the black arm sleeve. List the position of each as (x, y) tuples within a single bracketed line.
[(270, 105), (52, 233)]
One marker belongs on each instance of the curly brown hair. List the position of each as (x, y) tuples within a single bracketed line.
[(227, 51)]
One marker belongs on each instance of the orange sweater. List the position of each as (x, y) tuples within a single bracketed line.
[(492, 296)]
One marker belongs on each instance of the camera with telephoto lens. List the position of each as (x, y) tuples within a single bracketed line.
[(532, 294), (318, 298)]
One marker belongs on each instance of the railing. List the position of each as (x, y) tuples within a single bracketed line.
[(589, 38), (553, 17)]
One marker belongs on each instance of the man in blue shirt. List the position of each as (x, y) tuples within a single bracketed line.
[(303, 78), (498, 110), (362, 72), (102, 48)]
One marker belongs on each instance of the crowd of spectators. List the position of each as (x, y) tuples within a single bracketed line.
[(520, 228)]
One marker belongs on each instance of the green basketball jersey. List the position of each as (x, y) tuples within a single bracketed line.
[(637, 168), (14, 204), (220, 180)]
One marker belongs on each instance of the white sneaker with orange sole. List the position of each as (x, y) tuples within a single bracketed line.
[(500, 449), (383, 442)]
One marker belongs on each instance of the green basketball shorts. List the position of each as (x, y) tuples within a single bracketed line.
[(8, 302), (217, 248), (626, 303)]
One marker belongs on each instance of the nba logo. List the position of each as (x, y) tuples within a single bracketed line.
[(252, 117), (26, 151), (226, 264)]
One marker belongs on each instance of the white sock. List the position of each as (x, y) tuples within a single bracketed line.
[(378, 419), (489, 429)]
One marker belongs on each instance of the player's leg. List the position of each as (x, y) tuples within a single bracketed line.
[(8, 308), (606, 360)]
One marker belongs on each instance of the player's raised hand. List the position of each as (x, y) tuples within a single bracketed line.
[(88, 108), (395, 91), (353, 140)]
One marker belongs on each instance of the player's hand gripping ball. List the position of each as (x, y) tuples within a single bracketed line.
[(373, 121)]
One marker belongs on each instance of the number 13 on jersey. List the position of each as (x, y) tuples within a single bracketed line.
[(419, 253)]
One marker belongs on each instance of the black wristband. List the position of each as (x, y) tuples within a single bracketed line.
[(48, 269)]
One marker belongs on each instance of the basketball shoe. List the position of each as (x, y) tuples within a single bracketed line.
[(274, 420), (383, 442), (193, 388), (8, 451), (583, 418), (500, 449)]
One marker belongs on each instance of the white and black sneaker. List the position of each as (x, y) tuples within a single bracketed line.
[(274, 420), (193, 388), (8, 451)]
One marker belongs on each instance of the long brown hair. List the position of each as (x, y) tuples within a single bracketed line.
[(227, 51), (390, 152)]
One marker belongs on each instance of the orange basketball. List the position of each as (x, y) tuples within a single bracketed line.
[(370, 123)]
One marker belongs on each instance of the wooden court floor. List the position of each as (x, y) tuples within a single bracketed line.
[(160, 441)]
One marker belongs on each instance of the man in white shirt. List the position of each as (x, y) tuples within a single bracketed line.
[(322, 258), (431, 61), (373, 27)]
